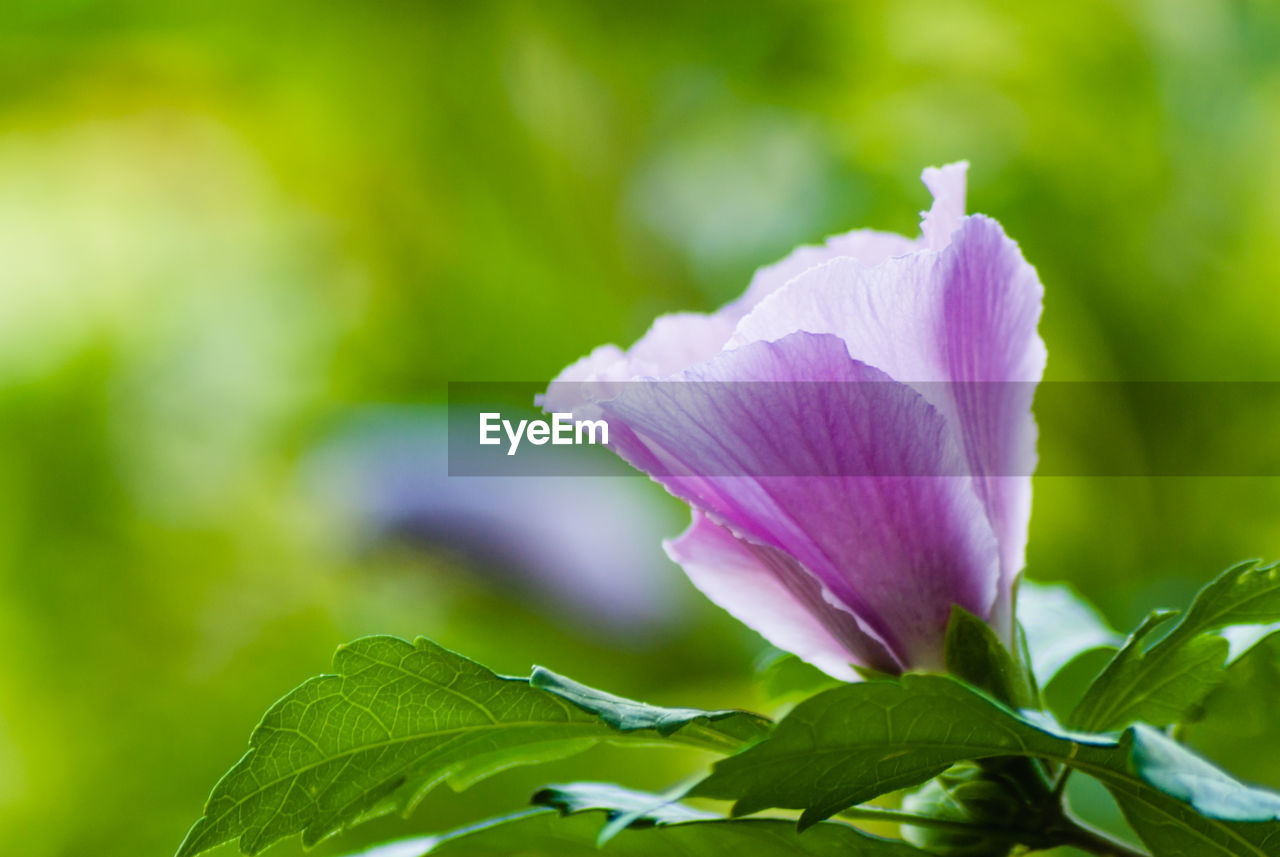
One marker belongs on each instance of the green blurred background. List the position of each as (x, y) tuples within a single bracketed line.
[(243, 246)]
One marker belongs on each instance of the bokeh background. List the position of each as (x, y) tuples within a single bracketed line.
[(243, 247)]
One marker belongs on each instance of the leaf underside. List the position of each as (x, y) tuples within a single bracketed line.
[(727, 730), (397, 718), (1060, 626)]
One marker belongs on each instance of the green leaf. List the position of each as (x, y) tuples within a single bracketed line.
[(546, 834), (394, 720), (786, 678), (849, 745), (854, 743), (414, 846), (1239, 716), (1176, 771), (1060, 626), (1170, 685), (726, 730), (644, 809), (1243, 638), (676, 831), (974, 653), (1171, 828), (1158, 683)]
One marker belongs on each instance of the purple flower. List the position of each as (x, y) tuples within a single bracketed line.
[(907, 336), (384, 472)]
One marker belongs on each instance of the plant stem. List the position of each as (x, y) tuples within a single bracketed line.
[(1012, 835), (1094, 841), (897, 817), (1075, 833), (1060, 784)]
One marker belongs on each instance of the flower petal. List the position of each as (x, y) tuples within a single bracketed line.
[(947, 184), (868, 246), (671, 344), (679, 340), (768, 591), (959, 325), (896, 550)]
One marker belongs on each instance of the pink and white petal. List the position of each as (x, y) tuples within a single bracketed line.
[(947, 184), (770, 593), (960, 326), (868, 246), (672, 343), (680, 340), (677, 341), (794, 446)]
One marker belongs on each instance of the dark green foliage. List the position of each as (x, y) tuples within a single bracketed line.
[(1159, 682), (849, 745)]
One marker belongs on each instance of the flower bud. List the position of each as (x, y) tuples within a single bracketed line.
[(966, 793)]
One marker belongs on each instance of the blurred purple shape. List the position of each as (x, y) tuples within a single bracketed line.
[(581, 544)]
